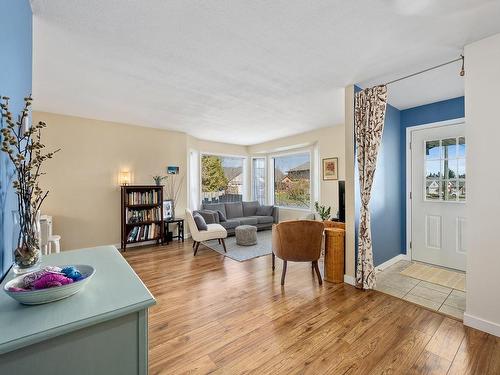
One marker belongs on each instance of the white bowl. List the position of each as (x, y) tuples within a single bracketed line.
[(40, 296)]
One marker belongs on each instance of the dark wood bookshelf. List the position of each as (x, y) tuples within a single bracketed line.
[(127, 204)]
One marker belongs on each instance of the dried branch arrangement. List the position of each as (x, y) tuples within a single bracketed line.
[(22, 143), (173, 187)]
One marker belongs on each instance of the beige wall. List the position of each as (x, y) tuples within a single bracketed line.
[(330, 142), (482, 79), (84, 197)]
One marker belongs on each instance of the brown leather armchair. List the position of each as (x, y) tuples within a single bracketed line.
[(298, 241)]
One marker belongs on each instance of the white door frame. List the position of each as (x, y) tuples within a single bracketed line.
[(409, 130)]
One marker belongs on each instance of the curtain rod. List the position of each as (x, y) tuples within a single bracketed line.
[(428, 69)]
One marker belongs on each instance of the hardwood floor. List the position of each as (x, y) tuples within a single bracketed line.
[(215, 315)]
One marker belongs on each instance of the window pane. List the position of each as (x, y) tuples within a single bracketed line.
[(449, 190), (292, 177), (461, 147), (450, 168), (432, 189), (449, 148), (221, 179), (461, 168), (259, 180), (432, 150), (461, 190), (433, 169)]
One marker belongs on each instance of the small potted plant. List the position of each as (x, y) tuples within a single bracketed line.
[(158, 179), (323, 211), (21, 142)]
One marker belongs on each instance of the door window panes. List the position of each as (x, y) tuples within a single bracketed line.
[(445, 170)]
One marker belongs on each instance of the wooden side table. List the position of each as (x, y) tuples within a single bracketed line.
[(180, 229), (334, 255)]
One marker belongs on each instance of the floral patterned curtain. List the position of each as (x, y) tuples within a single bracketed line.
[(369, 115)]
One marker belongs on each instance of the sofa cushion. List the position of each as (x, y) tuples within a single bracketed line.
[(234, 210), (200, 222), (264, 219), (215, 207), (265, 211), (230, 224), (250, 208), (248, 220), (222, 216)]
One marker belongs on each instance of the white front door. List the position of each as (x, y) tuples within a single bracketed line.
[(438, 195)]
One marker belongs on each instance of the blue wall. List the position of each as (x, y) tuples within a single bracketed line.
[(15, 82), (388, 204), (425, 114)]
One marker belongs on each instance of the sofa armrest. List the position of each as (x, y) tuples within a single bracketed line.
[(211, 217), (276, 214)]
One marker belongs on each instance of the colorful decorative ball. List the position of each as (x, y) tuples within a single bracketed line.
[(29, 279), (72, 273), (50, 280)]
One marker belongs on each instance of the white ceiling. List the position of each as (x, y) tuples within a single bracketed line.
[(243, 71)]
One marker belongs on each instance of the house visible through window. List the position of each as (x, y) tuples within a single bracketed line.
[(259, 180), (222, 178), (292, 180), (445, 169)]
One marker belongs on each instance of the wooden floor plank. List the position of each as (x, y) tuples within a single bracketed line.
[(218, 316)]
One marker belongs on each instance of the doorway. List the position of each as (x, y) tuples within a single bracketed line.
[(438, 194)]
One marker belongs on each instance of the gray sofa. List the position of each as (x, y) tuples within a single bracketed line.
[(240, 213)]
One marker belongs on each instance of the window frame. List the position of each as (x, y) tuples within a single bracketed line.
[(244, 192), (252, 178), (312, 177), (441, 178)]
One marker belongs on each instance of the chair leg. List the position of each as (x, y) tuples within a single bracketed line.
[(196, 248), (218, 239), (283, 273), (223, 244), (316, 267), (274, 260), (194, 244)]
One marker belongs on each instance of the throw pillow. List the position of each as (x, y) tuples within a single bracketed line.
[(222, 217), (265, 211), (200, 222)]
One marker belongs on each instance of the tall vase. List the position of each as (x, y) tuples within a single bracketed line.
[(26, 242)]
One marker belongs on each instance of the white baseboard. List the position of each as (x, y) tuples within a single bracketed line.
[(349, 280), (391, 261), (482, 324)]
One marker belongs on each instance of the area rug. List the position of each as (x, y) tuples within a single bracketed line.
[(242, 253), (436, 275)]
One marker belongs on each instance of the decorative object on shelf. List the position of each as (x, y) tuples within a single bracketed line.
[(171, 169), (49, 284), (168, 209), (141, 214), (124, 178), (323, 211), (330, 169), (22, 143), (173, 186), (158, 179)]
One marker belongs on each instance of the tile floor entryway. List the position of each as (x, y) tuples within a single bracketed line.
[(440, 298)]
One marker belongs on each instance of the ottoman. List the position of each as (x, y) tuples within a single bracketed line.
[(246, 235)]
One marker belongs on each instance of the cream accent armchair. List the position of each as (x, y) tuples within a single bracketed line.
[(214, 232)]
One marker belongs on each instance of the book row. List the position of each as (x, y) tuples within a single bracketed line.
[(146, 197), (136, 216), (144, 232)]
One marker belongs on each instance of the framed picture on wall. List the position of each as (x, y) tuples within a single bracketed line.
[(330, 169), (168, 209)]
